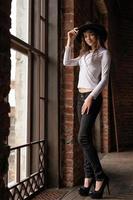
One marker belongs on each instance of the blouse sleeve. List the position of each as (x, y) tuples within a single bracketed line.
[(105, 65), (68, 60)]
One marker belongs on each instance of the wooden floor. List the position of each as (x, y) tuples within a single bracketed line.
[(119, 167)]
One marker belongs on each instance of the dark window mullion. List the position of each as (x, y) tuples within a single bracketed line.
[(21, 46), (29, 107), (39, 43), (42, 18), (46, 69), (29, 125), (39, 11)]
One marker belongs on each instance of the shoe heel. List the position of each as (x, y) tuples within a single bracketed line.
[(86, 191), (99, 194)]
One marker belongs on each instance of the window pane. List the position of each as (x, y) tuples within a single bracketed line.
[(18, 99), (12, 179), (23, 161), (19, 17), (12, 169)]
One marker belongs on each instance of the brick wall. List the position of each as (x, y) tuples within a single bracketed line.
[(121, 45), (105, 111), (74, 13), (4, 90)]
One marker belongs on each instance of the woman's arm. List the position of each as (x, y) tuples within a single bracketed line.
[(105, 65), (68, 60)]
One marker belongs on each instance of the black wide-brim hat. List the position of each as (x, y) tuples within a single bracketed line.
[(96, 28)]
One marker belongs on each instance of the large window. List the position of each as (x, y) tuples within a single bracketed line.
[(20, 19), (28, 89)]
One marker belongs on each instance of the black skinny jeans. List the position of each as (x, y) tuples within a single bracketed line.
[(92, 166)]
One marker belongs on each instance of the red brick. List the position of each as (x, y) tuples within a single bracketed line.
[(69, 102), (68, 109)]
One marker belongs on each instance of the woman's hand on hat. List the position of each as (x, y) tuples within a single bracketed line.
[(72, 34)]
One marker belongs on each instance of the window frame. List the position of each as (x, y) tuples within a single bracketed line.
[(31, 49)]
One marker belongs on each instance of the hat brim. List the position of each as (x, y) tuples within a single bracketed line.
[(96, 28)]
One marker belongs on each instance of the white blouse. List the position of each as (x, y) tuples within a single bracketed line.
[(94, 69)]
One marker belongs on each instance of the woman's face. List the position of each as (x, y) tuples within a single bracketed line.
[(90, 38)]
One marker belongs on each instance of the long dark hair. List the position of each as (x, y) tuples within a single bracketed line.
[(86, 48)]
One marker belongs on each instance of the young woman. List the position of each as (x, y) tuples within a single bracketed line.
[(94, 62)]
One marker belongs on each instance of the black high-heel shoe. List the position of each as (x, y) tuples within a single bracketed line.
[(99, 194), (85, 191)]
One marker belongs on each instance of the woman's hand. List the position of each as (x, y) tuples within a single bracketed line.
[(87, 104), (71, 36)]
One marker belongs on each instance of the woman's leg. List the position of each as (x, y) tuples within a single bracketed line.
[(86, 142), (89, 174)]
